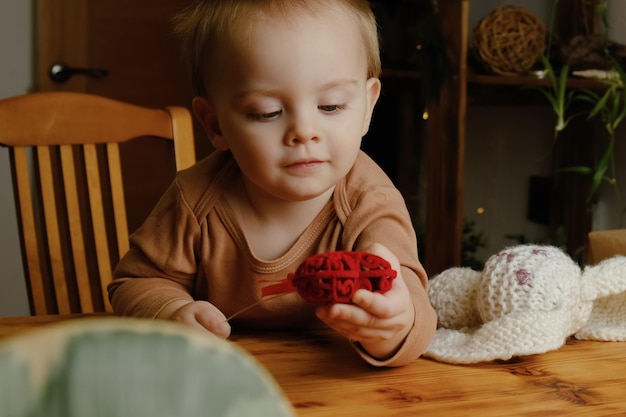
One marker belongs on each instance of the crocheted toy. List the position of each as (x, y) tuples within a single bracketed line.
[(528, 299), (334, 277)]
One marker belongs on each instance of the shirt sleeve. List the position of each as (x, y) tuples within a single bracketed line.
[(378, 214), (160, 266)]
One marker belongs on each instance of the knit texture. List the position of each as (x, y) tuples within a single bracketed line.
[(528, 299), (605, 283)]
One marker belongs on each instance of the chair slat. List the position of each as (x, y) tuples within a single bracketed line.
[(98, 220), (21, 172), (64, 219), (117, 194), (182, 129), (46, 176), (77, 236)]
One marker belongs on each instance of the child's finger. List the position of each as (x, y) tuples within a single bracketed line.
[(377, 305), (215, 324), (386, 254)]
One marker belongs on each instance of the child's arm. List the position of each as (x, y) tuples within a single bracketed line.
[(374, 213), (159, 271), (379, 323), (199, 314)]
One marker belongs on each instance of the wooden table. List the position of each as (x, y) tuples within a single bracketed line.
[(322, 376)]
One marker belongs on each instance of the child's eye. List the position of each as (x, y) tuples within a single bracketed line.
[(264, 116), (332, 108)]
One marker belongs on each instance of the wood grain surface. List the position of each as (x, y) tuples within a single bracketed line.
[(322, 376)]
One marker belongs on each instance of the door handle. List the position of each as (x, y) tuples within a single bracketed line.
[(60, 73)]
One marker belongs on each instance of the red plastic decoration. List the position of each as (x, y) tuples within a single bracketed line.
[(334, 277)]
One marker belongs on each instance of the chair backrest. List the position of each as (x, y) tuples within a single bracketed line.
[(68, 186)]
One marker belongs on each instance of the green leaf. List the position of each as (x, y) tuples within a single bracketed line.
[(577, 169), (600, 104)]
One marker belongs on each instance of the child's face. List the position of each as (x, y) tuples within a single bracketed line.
[(291, 100)]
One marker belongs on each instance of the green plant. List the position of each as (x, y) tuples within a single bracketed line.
[(472, 241), (558, 95), (609, 105)]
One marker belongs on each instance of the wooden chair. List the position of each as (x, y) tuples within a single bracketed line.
[(68, 186)]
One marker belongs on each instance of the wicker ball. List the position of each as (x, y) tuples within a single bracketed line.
[(509, 40)]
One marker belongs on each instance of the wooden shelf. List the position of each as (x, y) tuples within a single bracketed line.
[(529, 81), (516, 91), (463, 85)]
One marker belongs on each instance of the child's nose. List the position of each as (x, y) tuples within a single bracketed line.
[(302, 129)]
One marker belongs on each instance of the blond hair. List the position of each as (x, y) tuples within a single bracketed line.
[(206, 23)]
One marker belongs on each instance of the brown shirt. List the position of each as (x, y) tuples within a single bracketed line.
[(191, 247)]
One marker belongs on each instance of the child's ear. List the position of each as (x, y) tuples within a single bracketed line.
[(208, 119), (373, 92)]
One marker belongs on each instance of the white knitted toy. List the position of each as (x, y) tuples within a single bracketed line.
[(528, 299)]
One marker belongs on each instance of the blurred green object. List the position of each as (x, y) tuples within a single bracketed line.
[(114, 367)]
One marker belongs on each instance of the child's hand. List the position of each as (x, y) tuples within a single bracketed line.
[(199, 314), (379, 322)]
